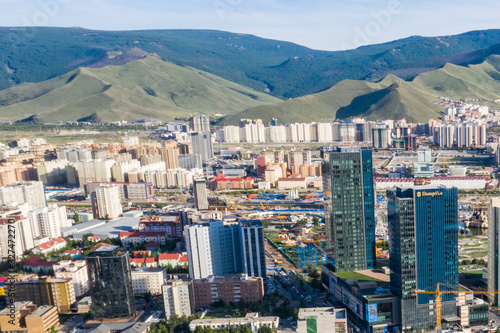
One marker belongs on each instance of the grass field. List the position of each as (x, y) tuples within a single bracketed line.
[(142, 88), (391, 98)]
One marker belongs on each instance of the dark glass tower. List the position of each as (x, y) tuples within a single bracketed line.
[(349, 208), (494, 250), (423, 243), (110, 283)]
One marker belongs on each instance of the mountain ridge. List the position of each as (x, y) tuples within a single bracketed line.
[(282, 69)]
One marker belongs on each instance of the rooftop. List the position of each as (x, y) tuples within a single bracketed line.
[(42, 310), (17, 306), (102, 229)]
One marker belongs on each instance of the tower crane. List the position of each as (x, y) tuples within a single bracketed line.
[(439, 297)]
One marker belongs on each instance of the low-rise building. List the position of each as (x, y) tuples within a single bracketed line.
[(121, 328), (77, 272), (148, 280), (42, 320), (36, 264), (46, 291), (178, 298), (291, 183), (168, 224), (12, 318), (53, 245), (138, 237), (229, 288), (222, 182), (319, 320), (251, 319)]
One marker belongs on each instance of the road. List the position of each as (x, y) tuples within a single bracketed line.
[(71, 324)]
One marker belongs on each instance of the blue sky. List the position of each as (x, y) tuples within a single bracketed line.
[(319, 24)]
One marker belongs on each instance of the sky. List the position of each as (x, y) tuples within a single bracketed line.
[(319, 24)]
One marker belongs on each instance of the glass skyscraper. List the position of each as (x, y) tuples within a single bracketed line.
[(423, 247), (494, 250), (349, 208), (110, 283)]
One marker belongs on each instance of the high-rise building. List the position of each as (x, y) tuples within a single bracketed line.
[(254, 256), (213, 249), (380, 138), (170, 155), (200, 123), (178, 298), (106, 202), (110, 283), (189, 162), (200, 194), (423, 242), (494, 250), (202, 145), (349, 208), (30, 192), (94, 171), (18, 226)]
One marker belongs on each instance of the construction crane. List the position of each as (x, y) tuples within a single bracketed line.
[(438, 298)]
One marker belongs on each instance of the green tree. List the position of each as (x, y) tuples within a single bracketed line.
[(301, 222), (316, 221), (266, 224), (76, 218), (106, 217)]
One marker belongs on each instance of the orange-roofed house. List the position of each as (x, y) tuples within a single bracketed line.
[(169, 259), (53, 245)]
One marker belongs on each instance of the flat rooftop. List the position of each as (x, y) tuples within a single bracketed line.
[(17, 306), (102, 229), (367, 275), (42, 310)]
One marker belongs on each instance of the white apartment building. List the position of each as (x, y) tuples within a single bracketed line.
[(49, 220), (94, 171), (148, 280), (181, 178), (199, 251), (107, 202), (30, 192), (178, 298), (22, 232), (129, 141), (77, 271), (119, 171)]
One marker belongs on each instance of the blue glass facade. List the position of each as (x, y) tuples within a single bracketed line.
[(349, 208), (423, 243)]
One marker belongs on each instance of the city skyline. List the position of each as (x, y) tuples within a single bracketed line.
[(319, 25)]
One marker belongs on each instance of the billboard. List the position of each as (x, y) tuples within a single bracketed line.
[(371, 313)]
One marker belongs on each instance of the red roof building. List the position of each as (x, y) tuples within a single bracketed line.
[(53, 245), (222, 182)]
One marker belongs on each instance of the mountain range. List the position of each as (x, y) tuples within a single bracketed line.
[(74, 73)]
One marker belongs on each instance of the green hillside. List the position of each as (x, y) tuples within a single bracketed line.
[(390, 98), (282, 69), (142, 88)]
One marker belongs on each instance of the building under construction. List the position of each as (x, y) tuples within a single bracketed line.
[(310, 252)]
